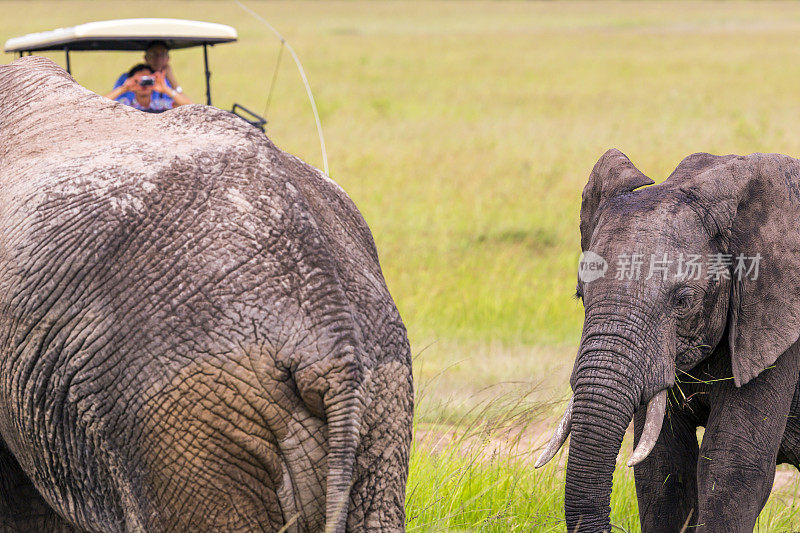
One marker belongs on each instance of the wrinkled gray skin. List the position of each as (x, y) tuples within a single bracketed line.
[(196, 334), (726, 350)]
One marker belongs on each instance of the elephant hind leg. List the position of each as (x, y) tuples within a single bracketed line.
[(22, 508)]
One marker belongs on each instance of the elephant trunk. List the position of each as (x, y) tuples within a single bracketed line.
[(603, 407), (616, 370)]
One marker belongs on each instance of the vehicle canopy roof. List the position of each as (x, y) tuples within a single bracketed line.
[(124, 34)]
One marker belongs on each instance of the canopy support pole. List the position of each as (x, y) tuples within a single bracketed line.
[(208, 74), (66, 51)]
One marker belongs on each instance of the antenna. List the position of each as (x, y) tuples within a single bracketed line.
[(302, 72)]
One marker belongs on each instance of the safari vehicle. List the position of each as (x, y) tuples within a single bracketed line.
[(135, 35)]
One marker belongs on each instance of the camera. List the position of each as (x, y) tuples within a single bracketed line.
[(147, 81)]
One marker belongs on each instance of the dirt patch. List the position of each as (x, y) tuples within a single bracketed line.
[(787, 482)]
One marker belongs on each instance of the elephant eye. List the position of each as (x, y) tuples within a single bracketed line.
[(578, 292), (683, 299)]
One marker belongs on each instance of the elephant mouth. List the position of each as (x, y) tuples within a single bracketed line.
[(654, 419)]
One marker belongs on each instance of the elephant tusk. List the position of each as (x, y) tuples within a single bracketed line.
[(559, 436), (656, 408)]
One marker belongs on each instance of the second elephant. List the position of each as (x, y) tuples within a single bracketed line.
[(675, 348)]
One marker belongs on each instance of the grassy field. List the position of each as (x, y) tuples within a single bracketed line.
[(465, 133)]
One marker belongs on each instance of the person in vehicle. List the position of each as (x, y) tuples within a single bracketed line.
[(140, 84), (156, 56)]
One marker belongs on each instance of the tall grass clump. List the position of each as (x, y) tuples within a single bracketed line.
[(476, 474)]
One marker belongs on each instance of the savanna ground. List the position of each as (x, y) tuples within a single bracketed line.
[(465, 133)]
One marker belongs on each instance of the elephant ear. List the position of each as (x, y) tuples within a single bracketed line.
[(613, 174), (754, 203)]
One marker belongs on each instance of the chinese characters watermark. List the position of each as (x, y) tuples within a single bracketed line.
[(663, 266)]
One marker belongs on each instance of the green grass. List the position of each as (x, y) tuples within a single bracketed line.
[(478, 475), (453, 490), (465, 133)]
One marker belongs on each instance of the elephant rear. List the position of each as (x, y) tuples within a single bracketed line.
[(197, 334)]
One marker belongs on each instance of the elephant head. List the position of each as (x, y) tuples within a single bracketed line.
[(702, 262)]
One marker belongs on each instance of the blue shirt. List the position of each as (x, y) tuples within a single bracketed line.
[(158, 101)]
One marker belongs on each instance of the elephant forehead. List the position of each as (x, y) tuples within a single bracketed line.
[(652, 223)]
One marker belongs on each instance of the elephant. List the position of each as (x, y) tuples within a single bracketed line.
[(195, 332), (676, 349)]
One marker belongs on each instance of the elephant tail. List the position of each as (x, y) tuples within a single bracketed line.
[(344, 435), (333, 387)]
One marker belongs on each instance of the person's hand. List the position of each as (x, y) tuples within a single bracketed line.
[(160, 83), (130, 83), (170, 76)]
